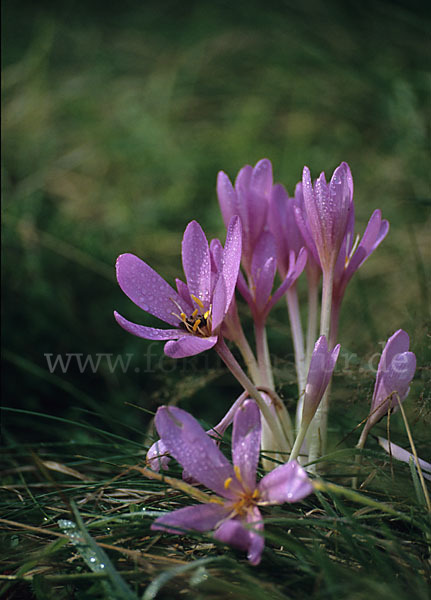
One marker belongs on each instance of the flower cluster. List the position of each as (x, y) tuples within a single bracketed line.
[(268, 232)]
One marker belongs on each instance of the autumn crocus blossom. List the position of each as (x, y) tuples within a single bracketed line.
[(197, 309), (234, 513), (394, 374), (328, 207), (354, 253), (249, 200), (322, 366), (258, 293)]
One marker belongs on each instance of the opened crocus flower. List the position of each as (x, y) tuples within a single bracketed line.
[(249, 200), (394, 374), (198, 308), (322, 366), (328, 207), (234, 512)]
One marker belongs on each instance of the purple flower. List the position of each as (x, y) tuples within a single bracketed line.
[(322, 365), (353, 255), (328, 208), (258, 293), (283, 226), (234, 514), (395, 371), (197, 310), (158, 455), (249, 200)]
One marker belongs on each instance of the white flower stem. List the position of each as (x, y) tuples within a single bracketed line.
[(325, 314), (263, 357), (249, 358), (298, 346), (318, 429), (236, 370), (277, 406), (359, 446), (313, 306), (299, 440)]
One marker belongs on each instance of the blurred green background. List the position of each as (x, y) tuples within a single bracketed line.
[(117, 118)]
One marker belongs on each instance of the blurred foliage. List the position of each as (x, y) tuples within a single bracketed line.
[(117, 119)]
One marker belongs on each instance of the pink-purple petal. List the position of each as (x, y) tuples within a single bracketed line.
[(158, 456), (261, 178), (218, 303), (264, 284), (189, 345), (404, 456), (183, 291), (398, 376), (202, 517), (232, 258), (196, 262), (286, 483), (216, 253), (265, 248), (147, 289), (197, 453), (148, 333), (248, 539), (242, 286), (374, 234), (302, 222), (227, 197), (278, 223), (246, 441), (397, 343), (295, 269), (244, 177), (320, 371), (257, 541)]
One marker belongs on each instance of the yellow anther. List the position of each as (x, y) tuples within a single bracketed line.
[(237, 473), (196, 325), (227, 483), (206, 314), (194, 313), (198, 302), (255, 493), (183, 316)]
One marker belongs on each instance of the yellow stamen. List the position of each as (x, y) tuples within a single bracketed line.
[(196, 325), (237, 473), (198, 302), (255, 493), (352, 251), (194, 313), (183, 317), (227, 483), (206, 314)]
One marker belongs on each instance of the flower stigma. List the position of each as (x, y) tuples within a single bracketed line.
[(246, 498)]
